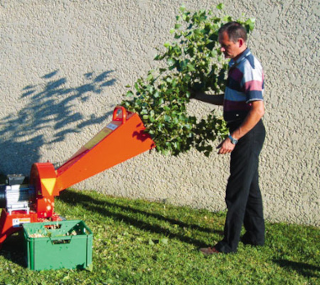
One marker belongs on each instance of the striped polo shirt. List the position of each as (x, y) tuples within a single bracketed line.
[(245, 84)]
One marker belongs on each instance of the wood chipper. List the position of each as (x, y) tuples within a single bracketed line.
[(121, 139)]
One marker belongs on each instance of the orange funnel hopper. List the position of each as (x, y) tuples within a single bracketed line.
[(121, 139)]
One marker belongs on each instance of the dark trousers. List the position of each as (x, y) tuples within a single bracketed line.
[(243, 196)]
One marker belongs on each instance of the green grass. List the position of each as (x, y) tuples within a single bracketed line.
[(139, 242)]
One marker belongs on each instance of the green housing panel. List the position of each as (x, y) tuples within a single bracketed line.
[(57, 245)]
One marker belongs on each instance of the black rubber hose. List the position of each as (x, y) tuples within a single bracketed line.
[(3, 199)]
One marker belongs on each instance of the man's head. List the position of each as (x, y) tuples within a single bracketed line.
[(232, 38)]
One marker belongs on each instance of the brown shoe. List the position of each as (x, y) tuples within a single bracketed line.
[(209, 250)]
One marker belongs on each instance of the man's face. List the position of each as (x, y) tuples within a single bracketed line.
[(229, 48)]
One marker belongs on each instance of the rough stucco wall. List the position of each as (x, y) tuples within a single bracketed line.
[(65, 65)]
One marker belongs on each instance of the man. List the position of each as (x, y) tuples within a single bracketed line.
[(243, 110)]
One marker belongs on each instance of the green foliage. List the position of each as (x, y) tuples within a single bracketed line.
[(192, 61), (140, 242)]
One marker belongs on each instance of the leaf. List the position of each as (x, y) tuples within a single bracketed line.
[(171, 61), (227, 19), (144, 112), (150, 77), (167, 45), (250, 24), (220, 6), (164, 241), (191, 67)]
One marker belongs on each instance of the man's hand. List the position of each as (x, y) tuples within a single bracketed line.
[(253, 117), (226, 146)]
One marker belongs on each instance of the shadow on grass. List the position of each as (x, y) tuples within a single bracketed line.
[(13, 249), (301, 268), (105, 208)]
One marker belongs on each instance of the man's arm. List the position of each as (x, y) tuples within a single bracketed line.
[(253, 117), (212, 99)]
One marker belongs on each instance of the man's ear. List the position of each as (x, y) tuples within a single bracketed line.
[(241, 42)]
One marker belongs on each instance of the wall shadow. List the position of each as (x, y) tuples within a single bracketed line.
[(48, 106)]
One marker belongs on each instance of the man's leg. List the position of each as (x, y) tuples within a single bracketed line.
[(253, 219), (236, 198), (243, 171)]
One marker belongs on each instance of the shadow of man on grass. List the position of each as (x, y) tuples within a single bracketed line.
[(301, 268)]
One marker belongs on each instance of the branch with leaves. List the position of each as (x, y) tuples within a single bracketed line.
[(193, 61)]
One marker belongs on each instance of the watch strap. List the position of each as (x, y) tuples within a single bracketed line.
[(233, 140)]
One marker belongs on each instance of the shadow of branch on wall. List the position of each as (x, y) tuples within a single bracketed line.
[(49, 106)]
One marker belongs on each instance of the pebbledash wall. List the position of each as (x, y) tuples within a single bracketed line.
[(65, 65)]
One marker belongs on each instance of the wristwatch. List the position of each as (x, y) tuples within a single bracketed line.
[(233, 140)]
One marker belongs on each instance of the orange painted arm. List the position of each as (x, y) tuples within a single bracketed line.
[(122, 139)]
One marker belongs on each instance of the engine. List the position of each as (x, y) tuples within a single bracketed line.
[(16, 196)]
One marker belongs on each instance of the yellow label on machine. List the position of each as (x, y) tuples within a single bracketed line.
[(49, 183), (100, 136), (19, 221)]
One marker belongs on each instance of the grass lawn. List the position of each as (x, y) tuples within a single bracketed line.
[(139, 242)]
